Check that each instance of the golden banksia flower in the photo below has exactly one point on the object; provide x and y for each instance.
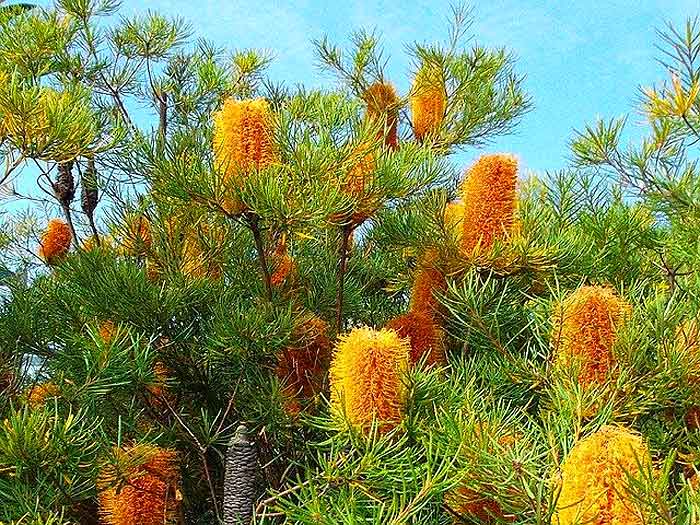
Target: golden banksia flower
(198, 257)
(585, 329)
(302, 366)
(147, 494)
(427, 283)
(428, 101)
(425, 337)
(383, 107)
(367, 378)
(138, 239)
(454, 216)
(39, 394)
(55, 241)
(594, 479)
(243, 140)
(687, 344)
(490, 202)
(283, 264)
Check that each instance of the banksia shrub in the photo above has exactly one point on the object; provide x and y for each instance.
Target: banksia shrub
(55, 241)
(427, 283)
(428, 101)
(584, 331)
(145, 492)
(243, 140)
(383, 108)
(37, 395)
(302, 365)
(425, 337)
(366, 377)
(594, 479)
(490, 202)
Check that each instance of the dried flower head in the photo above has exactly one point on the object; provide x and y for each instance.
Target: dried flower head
(302, 365)
(143, 489)
(243, 140)
(490, 202)
(585, 329)
(427, 340)
(37, 395)
(594, 479)
(428, 100)
(383, 108)
(55, 241)
(366, 377)
(427, 283)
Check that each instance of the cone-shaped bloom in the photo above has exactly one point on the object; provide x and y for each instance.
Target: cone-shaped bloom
(424, 336)
(688, 346)
(302, 365)
(282, 264)
(594, 479)
(150, 494)
(490, 201)
(38, 394)
(138, 238)
(366, 377)
(383, 107)
(55, 241)
(427, 283)
(585, 329)
(197, 258)
(428, 101)
(243, 140)
(454, 217)
(107, 330)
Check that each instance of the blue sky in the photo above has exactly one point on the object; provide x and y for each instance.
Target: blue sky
(581, 61)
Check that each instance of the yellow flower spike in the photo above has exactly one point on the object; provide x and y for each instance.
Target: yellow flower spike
(383, 106)
(243, 140)
(427, 283)
(428, 101)
(490, 202)
(584, 330)
(367, 378)
(424, 336)
(594, 479)
(454, 217)
(55, 241)
(39, 394)
(150, 494)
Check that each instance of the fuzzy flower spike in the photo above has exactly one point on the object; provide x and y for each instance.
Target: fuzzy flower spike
(55, 241)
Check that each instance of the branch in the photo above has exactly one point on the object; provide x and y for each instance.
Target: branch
(342, 269)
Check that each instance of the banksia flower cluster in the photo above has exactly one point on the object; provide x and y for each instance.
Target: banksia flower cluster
(55, 241)
(240, 479)
(428, 101)
(197, 260)
(282, 264)
(39, 394)
(428, 282)
(302, 366)
(383, 108)
(594, 479)
(585, 329)
(366, 378)
(688, 345)
(425, 337)
(147, 494)
(490, 202)
(243, 140)
(454, 217)
(138, 238)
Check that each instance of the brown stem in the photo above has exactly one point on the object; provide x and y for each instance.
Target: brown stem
(342, 269)
(253, 221)
(69, 220)
(95, 233)
(163, 113)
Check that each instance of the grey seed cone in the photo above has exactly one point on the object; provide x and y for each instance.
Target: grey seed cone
(241, 479)
(88, 199)
(64, 187)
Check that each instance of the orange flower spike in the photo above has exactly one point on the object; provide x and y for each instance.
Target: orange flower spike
(39, 394)
(302, 365)
(425, 337)
(428, 101)
(490, 201)
(55, 241)
(383, 106)
(454, 216)
(594, 479)
(283, 264)
(243, 140)
(138, 239)
(150, 494)
(366, 378)
(107, 331)
(428, 281)
(585, 329)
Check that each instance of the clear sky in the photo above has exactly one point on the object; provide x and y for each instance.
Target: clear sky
(582, 58)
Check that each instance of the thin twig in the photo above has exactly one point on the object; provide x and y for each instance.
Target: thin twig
(342, 269)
